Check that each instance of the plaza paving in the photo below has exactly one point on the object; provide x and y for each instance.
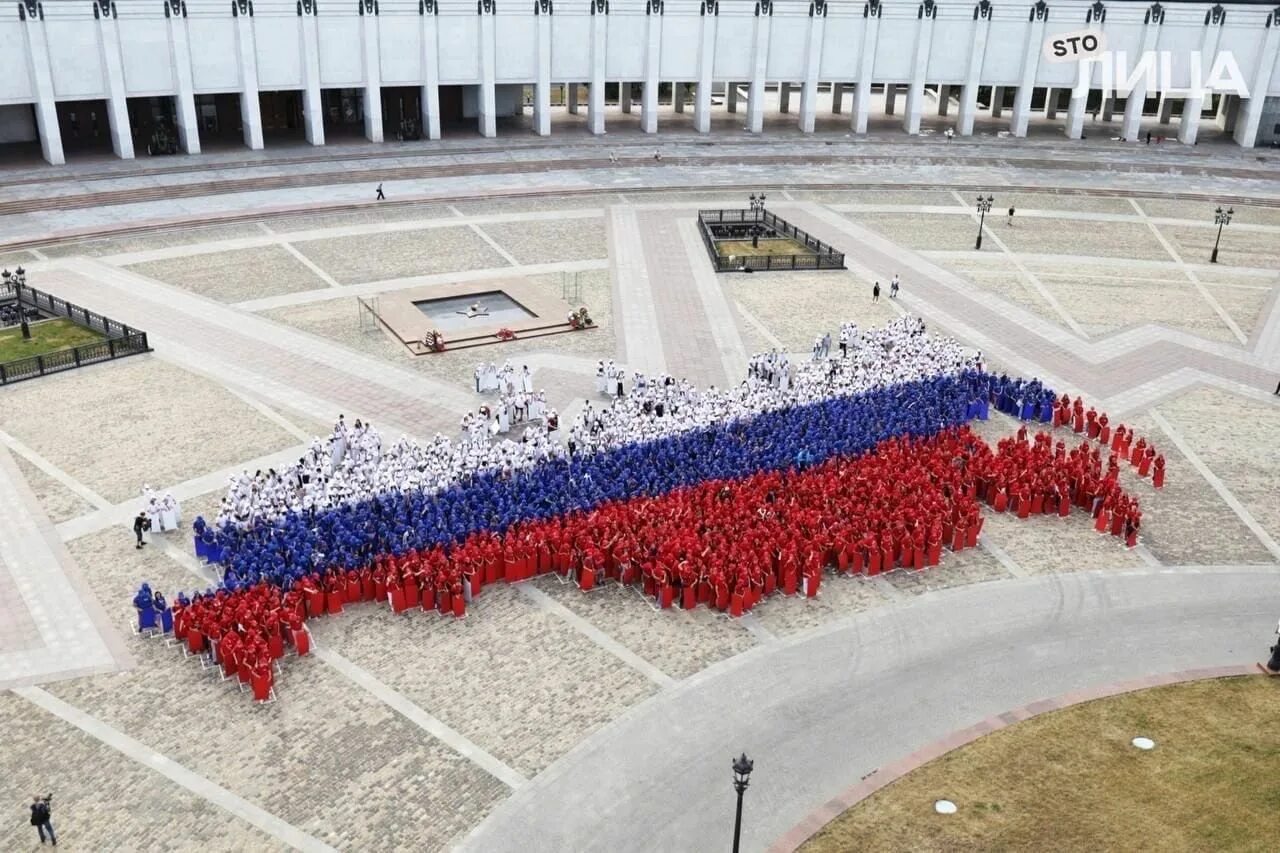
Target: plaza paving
(553, 720)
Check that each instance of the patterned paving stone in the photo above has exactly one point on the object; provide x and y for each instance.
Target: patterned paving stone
(678, 642)
(1200, 211)
(327, 740)
(135, 421)
(185, 236)
(1050, 544)
(539, 204)
(400, 254)
(939, 198)
(1239, 439)
(516, 680)
(366, 216)
(838, 598)
(101, 799)
(930, 231)
(10, 260)
(1074, 237)
(966, 567)
(59, 502)
(1049, 202)
(797, 307)
(1186, 523)
(1238, 248)
(1243, 304)
(236, 275)
(546, 241)
(1105, 306)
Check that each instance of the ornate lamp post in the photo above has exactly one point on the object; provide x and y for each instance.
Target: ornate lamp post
(18, 278)
(984, 207)
(757, 205)
(741, 774)
(1220, 217)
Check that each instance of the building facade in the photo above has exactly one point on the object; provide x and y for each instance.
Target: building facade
(148, 74)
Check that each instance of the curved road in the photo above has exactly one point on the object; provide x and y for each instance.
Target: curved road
(819, 711)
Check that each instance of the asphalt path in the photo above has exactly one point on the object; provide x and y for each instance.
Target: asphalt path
(819, 711)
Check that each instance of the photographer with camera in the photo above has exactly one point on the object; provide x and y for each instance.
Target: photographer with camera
(40, 814)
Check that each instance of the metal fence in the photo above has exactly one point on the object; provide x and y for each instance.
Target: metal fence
(121, 340)
(824, 257)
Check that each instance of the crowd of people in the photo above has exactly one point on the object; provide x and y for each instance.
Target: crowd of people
(859, 461)
(11, 314)
(504, 380)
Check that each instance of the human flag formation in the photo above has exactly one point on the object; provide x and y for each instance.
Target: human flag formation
(860, 463)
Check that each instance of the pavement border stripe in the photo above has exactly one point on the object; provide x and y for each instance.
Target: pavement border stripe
(170, 769)
(1216, 484)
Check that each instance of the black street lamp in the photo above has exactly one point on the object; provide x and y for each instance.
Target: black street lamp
(1220, 217)
(18, 278)
(757, 205)
(741, 773)
(984, 207)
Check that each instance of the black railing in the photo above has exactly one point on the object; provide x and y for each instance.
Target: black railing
(120, 340)
(821, 256)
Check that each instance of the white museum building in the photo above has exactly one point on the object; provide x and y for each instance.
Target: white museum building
(133, 76)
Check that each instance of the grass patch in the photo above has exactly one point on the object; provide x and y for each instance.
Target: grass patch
(1070, 780)
(46, 336)
(768, 246)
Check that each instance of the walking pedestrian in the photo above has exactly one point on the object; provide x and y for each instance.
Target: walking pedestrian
(381, 196)
(1278, 389)
(949, 134)
(40, 815)
(1011, 217)
(875, 292)
(893, 287)
(1148, 137)
(141, 524)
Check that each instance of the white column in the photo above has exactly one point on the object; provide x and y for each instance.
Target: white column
(973, 72)
(944, 100)
(678, 94)
(652, 60)
(866, 62)
(731, 96)
(1051, 102)
(1075, 115)
(997, 101)
(572, 97)
(184, 101)
(706, 64)
(117, 101)
(42, 86)
(784, 97)
(372, 76)
(1228, 113)
(595, 95)
(812, 64)
(312, 108)
(919, 71)
(1246, 133)
(250, 109)
(837, 98)
(488, 77)
(542, 87)
(429, 97)
(759, 66)
(624, 98)
(1164, 113)
(890, 98)
(1027, 79)
(1131, 127)
(1108, 107)
(1189, 121)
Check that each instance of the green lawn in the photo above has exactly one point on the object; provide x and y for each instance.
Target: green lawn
(46, 336)
(1071, 780)
(768, 246)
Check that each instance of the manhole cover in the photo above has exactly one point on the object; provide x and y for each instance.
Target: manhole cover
(944, 807)
(1144, 743)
